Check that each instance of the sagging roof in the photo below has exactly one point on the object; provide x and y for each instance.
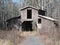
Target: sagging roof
(13, 18)
(48, 18)
(29, 7)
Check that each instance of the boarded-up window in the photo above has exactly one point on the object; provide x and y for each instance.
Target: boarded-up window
(29, 14)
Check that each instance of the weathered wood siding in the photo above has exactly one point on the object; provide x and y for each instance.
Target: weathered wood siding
(34, 15)
(23, 15)
(49, 27)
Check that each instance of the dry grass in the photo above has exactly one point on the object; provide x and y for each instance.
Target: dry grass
(12, 37)
(15, 37)
(5, 42)
(48, 41)
(29, 33)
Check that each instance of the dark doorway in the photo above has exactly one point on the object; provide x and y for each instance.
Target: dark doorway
(39, 20)
(29, 13)
(27, 26)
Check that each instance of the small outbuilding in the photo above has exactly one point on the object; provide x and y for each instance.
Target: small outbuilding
(13, 22)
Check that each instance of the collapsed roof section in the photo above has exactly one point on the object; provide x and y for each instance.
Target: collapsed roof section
(18, 17)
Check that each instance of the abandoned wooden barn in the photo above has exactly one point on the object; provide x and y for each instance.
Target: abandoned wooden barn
(28, 19)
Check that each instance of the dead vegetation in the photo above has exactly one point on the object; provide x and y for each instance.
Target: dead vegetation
(12, 37)
(15, 37)
(29, 33)
(49, 40)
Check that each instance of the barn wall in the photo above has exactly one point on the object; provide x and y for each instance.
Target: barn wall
(23, 15)
(35, 15)
(49, 28)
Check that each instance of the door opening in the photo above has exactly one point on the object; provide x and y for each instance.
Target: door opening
(27, 26)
